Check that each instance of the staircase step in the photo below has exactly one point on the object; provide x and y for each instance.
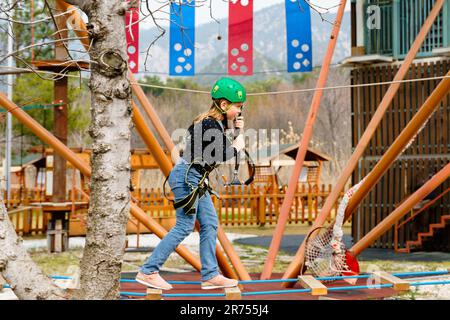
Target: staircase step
(421, 235)
(424, 235)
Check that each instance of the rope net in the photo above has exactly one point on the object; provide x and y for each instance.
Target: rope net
(325, 252)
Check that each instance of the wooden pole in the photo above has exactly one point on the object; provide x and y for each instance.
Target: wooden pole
(296, 264)
(150, 111)
(307, 132)
(85, 169)
(150, 141)
(397, 147)
(401, 211)
(60, 114)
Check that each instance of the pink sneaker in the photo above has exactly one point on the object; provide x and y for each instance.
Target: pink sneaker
(219, 281)
(153, 280)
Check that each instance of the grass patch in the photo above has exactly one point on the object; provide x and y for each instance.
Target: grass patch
(62, 264)
(402, 266)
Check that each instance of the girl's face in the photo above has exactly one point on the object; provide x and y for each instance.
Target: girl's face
(234, 109)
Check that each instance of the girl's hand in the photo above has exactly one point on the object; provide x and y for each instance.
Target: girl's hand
(239, 122)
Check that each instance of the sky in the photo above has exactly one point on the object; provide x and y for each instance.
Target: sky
(220, 8)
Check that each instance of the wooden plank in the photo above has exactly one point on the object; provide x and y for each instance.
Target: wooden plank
(58, 236)
(153, 294)
(362, 115)
(403, 105)
(233, 293)
(445, 132)
(384, 145)
(416, 93)
(398, 195)
(386, 278)
(359, 123)
(354, 107)
(381, 187)
(371, 108)
(433, 124)
(389, 203)
(365, 213)
(365, 105)
(372, 205)
(389, 200)
(309, 282)
(377, 99)
(355, 119)
(411, 174)
(386, 120)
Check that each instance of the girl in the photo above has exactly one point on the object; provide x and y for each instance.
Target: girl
(207, 146)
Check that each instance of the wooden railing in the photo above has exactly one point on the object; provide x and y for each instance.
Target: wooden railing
(399, 225)
(401, 21)
(247, 205)
(237, 206)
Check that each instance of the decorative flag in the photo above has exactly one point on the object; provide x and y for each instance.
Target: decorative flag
(182, 38)
(240, 37)
(298, 36)
(132, 34)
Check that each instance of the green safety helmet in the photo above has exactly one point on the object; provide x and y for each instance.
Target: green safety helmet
(227, 88)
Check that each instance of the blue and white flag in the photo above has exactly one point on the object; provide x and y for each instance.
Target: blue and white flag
(298, 36)
(182, 38)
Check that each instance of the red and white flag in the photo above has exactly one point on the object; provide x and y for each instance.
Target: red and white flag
(240, 37)
(132, 33)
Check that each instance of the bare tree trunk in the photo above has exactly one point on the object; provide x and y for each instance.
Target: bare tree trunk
(110, 130)
(18, 269)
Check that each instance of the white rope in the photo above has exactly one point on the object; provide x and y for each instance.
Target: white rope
(256, 93)
(299, 90)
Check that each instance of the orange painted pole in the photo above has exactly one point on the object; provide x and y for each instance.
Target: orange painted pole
(151, 113)
(150, 140)
(400, 143)
(401, 211)
(85, 169)
(294, 267)
(307, 132)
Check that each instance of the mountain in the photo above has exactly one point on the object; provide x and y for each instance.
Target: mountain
(269, 42)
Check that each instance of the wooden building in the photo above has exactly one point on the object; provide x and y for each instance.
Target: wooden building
(377, 54)
(268, 166)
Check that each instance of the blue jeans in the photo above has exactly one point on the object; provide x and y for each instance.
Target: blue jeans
(206, 215)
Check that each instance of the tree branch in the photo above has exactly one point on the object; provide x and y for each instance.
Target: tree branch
(82, 4)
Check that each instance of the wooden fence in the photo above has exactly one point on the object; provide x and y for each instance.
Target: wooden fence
(237, 206)
(429, 152)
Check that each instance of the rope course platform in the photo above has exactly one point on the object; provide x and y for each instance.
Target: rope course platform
(377, 285)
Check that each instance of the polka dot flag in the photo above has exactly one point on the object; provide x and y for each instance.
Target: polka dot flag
(298, 36)
(182, 38)
(240, 37)
(132, 34)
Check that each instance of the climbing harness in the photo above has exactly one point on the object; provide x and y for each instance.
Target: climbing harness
(189, 203)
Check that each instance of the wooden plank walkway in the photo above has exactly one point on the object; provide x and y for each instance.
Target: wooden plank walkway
(363, 294)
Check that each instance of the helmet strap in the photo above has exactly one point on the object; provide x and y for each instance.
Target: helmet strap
(223, 112)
